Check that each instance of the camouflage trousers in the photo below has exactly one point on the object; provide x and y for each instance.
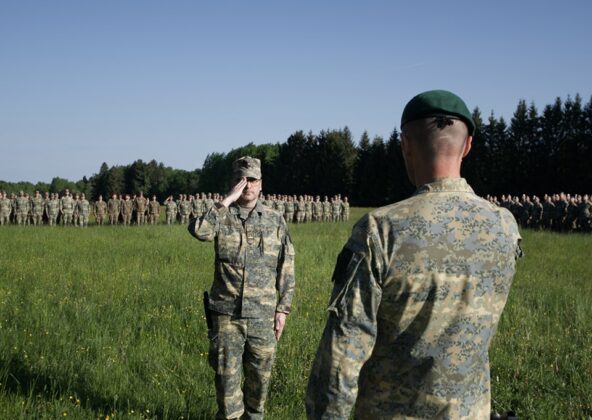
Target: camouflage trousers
(100, 218)
(4, 218)
(113, 218)
(236, 345)
(289, 217)
(52, 219)
(170, 218)
(67, 218)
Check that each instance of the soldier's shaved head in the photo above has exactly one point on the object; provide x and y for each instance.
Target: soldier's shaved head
(438, 137)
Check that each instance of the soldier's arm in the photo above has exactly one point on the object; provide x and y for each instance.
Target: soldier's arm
(349, 335)
(286, 281)
(205, 228)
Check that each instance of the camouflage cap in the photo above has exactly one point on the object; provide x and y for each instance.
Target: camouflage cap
(247, 167)
(435, 103)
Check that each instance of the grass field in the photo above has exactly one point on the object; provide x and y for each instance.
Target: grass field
(107, 321)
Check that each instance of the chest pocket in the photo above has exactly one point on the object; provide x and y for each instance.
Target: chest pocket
(271, 245)
(228, 243)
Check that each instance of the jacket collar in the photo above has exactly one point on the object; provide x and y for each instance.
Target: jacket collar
(445, 185)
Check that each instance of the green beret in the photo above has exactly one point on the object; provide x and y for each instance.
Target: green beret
(435, 103)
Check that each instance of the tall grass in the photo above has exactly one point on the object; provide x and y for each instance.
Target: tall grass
(107, 321)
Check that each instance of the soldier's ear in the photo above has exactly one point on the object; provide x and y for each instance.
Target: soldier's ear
(468, 145)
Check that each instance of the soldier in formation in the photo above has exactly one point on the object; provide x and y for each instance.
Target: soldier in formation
(559, 212)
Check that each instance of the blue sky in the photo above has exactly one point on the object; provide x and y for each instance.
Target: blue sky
(86, 82)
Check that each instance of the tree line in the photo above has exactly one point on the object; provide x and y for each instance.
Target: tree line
(534, 153)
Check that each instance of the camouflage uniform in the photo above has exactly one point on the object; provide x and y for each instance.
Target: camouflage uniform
(185, 207)
(67, 208)
(83, 210)
(335, 210)
(37, 204)
(153, 211)
(113, 208)
(326, 210)
(5, 209)
(419, 289)
(140, 207)
(171, 211)
(21, 209)
(289, 211)
(100, 210)
(127, 208)
(254, 261)
(345, 210)
(52, 209)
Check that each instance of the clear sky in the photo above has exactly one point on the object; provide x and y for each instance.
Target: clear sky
(86, 82)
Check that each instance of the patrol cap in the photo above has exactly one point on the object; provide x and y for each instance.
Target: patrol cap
(436, 103)
(247, 167)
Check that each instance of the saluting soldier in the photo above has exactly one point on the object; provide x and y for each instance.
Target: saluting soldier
(251, 294)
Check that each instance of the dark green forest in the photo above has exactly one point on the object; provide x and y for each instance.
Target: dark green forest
(533, 153)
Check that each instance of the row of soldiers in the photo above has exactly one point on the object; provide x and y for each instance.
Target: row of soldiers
(125, 209)
(296, 209)
(559, 212)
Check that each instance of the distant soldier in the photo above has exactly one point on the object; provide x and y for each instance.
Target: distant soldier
(153, 211)
(537, 213)
(113, 208)
(22, 208)
(75, 214)
(83, 210)
(299, 209)
(198, 206)
(127, 208)
(209, 202)
(280, 205)
(345, 209)
(185, 207)
(46, 199)
(571, 217)
(100, 210)
(171, 210)
(326, 209)
(67, 208)
(52, 209)
(289, 209)
(307, 208)
(5, 209)
(548, 212)
(37, 209)
(140, 208)
(317, 209)
(561, 205)
(335, 210)
(584, 214)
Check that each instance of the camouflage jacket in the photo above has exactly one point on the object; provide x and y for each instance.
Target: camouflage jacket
(254, 266)
(419, 289)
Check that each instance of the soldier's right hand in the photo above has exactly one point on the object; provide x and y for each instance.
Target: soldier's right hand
(235, 192)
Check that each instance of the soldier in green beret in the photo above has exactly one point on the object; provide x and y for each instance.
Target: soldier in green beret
(419, 287)
(251, 294)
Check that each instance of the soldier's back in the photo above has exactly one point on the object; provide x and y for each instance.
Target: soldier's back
(446, 258)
